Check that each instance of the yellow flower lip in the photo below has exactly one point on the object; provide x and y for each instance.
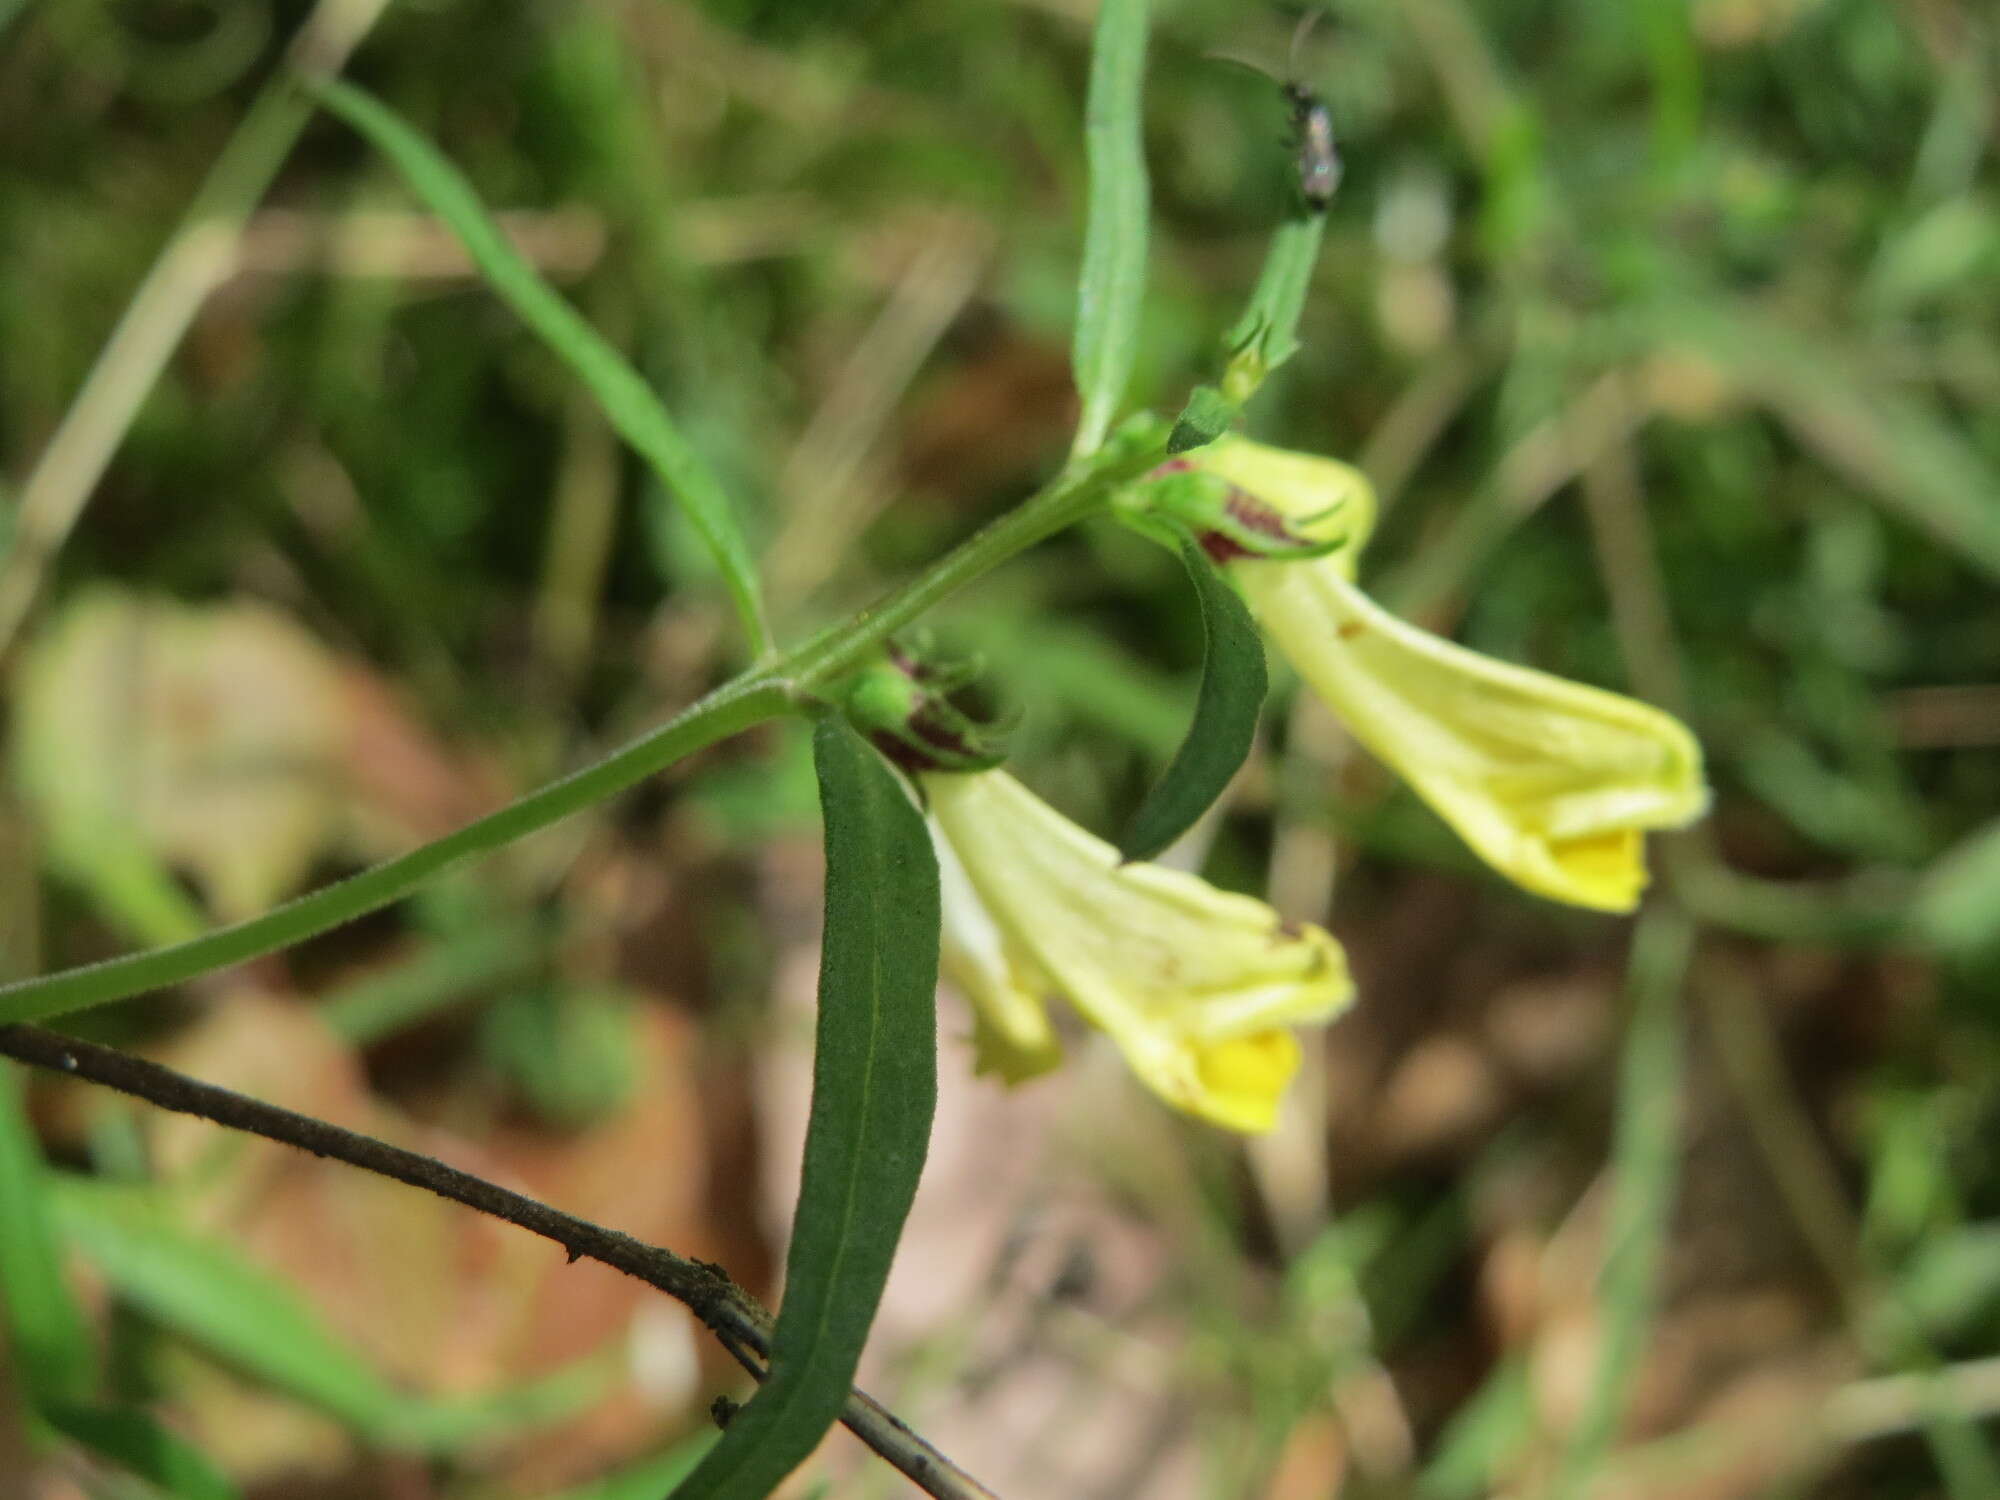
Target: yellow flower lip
(1552, 783)
(1198, 987)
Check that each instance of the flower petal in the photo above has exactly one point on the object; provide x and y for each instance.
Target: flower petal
(1011, 1034)
(1197, 986)
(1550, 782)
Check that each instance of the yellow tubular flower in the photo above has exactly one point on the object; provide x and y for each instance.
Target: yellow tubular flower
(1199, 988)
(1011, 1034)
(1552, 783)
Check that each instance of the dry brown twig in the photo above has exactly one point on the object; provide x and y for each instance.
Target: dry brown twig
(739, 1324)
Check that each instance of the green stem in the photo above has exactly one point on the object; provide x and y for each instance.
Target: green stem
(1075, 494)
(755, 696)
(1268, 331)
(747, 700)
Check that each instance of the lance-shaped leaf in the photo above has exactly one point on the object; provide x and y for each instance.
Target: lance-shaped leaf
(628, 402)
(1225, 715)
(874, 1091)
(1112, 287)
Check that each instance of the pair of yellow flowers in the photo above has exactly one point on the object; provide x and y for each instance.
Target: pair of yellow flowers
(1552, 783)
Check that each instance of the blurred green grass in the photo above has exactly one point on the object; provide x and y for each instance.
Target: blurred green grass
(1668, 330)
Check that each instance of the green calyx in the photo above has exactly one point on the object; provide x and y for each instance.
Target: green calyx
(1180, 498)
(902, 703)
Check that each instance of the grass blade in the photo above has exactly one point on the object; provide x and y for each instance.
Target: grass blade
(196, 259)
(1893, 444)
(874, 1091)
(257, 1323)
(1112, 288)
(49, 1339)
(130, 1437)
(232, 1308)
(628, 402)
(1644, 1154)
(1233, 684)
(46, 1333)
(1957, 905)
(1483, 1436)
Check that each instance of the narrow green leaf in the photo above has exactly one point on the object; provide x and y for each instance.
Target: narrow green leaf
(628, 402)
(1485, 1435)
(45, 1329)
(1112, 287)
(874, 1091)
(132, 1438)
(237, 1311)
(1668, 27)
(1957, 905)
(1645, 1155)
(1225, 715)
(49, 1338)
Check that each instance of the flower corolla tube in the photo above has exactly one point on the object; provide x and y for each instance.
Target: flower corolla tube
(1552, 783)
(1199, 988)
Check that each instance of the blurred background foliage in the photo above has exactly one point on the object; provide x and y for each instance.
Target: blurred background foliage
(1666, 330)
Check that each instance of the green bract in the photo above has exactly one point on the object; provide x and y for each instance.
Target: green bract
(902, 704)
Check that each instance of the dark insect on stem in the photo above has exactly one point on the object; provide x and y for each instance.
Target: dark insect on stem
(1318, 158)
(1315, 153)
